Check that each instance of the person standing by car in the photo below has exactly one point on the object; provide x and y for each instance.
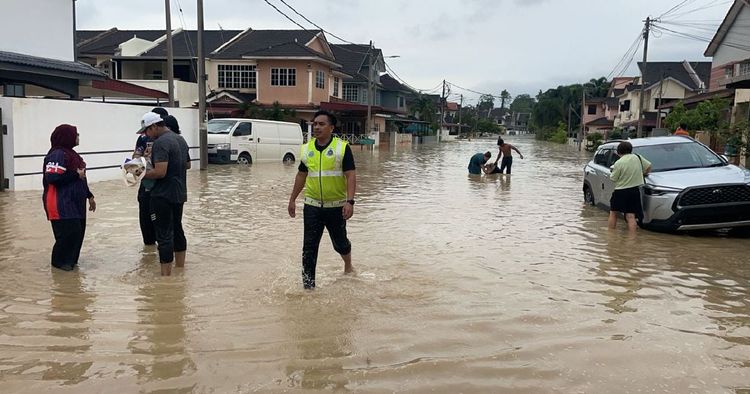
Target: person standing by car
(169, 192)
(627, 175)
(327, 173)
(65, 194)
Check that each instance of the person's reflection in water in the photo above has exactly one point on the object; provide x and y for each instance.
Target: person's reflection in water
(620, 269)
(504, 182)
(70, 311)
(321, 329)
(161, 329)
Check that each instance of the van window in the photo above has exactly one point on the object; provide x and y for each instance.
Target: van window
(243, 129)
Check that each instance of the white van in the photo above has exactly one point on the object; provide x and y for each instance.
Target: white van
(248, 141)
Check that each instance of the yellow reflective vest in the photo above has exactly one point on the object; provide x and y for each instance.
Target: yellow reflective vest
(325, 185)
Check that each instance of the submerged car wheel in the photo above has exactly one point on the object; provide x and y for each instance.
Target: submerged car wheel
(288, 158)
(588, 196)
(245, 159)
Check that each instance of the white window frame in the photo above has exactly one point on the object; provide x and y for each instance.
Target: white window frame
(237, 76)
(744, 69)
(352, 88)
(285, 77)
(335, 86)
(320, 79)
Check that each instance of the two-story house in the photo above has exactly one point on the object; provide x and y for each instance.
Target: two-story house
(295, 68)
(730, 53)
(665, 82)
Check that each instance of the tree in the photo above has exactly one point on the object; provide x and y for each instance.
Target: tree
(552, 106)
(523, 103)
(485, 105)
(710, 116)
(424, 109)
(504, 98)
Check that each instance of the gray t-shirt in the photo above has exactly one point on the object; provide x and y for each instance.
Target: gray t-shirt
(173, 187)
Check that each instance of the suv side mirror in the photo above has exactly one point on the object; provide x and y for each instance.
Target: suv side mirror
(725, 158)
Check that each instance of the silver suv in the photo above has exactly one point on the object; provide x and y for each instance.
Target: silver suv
(690, 187)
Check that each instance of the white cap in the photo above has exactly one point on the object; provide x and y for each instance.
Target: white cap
(149, 119)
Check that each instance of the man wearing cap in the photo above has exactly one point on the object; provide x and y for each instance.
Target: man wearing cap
(169, 192)
(143, 149)
(328, 175)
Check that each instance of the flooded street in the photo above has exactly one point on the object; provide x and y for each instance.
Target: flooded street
(486, 284)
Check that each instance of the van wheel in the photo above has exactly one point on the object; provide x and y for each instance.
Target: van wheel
(288, 158)
(588, 196)
(245, 159)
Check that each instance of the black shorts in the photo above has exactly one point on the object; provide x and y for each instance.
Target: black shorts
(627, 201)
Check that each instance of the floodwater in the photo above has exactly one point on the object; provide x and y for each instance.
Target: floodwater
(486, 284)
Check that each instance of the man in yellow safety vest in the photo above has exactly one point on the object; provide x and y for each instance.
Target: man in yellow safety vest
(328, 175)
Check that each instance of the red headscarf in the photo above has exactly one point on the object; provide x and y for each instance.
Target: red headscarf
(64, 137)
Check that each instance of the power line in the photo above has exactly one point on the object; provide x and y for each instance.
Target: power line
(285, 15)
(314, 24)
(633, 48)
(730, 44)
(474, 91)
(675, 8)
(705, 7)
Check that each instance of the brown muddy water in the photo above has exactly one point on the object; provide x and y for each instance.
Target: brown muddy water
(488, 284)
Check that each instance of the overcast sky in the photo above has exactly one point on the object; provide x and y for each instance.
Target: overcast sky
(484, 45)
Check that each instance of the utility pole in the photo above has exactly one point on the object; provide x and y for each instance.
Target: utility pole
(202, 128)
(579, 139)
(460, 110)
(646, 31)
(658, 109)
(442, 112)
(170, 54)
(368, 122)
(570, 132)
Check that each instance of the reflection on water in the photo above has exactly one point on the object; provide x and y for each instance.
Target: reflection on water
(465, 284)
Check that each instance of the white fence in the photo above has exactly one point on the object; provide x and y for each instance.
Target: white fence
(107, 136)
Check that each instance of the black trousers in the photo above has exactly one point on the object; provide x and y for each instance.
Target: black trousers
(507, 162)
(316, 219)
(69, 235)
(144, 216)
(170, 237)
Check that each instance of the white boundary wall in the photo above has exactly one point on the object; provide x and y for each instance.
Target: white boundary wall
(107, 134)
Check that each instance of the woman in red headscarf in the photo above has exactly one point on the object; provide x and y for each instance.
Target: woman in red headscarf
(65, 195)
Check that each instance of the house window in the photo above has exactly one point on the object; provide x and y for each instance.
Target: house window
(320, 79)
(351, 127)
(237, 76)
(592, 109)
(14, 90)
(744, 69)
(625, 106)
(728, 72)
(401, 102)
(351, 92)
(283, 77)
(335, 86)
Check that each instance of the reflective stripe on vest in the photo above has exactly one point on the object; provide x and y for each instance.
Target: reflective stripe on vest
(325, 183)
